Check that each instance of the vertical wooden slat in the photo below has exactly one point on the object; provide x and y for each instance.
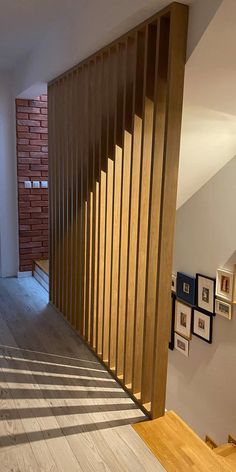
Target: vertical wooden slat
(177, 55)
(76, 201)
(155, 204)
(51, 166)
(147, 135)
(106, 168)
(62, 200)
(99, 278)
(93, 189)
(89, 124)
(119, 107)
(112, 153)
(70, 209)
(126, 169)
(80, 204)
(114, 124)
(133, 209)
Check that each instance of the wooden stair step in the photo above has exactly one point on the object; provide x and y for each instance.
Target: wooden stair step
(41, 274)
(178, 448)
(43, 265)
(228, 451)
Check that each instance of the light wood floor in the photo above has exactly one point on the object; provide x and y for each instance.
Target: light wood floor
(60, 410)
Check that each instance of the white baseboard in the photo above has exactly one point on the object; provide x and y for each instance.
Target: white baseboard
(24, 274)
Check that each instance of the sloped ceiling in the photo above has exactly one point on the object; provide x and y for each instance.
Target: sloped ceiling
(208, 139)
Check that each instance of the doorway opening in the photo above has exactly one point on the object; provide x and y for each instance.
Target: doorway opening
(32, 180)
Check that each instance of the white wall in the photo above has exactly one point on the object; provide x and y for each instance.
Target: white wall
(202, 388)
(8, 187)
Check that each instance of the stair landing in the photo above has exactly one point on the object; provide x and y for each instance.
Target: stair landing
(178, 448)
(41, 273)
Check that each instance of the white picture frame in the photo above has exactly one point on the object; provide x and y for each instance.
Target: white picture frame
(182, 345)
(225, 284)
(173, 283)
(223, 309)
(183, 319)
(205, 293)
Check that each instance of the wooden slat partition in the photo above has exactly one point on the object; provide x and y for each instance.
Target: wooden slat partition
(114, 134)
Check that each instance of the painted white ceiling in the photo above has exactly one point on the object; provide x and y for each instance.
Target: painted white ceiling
(25, 24)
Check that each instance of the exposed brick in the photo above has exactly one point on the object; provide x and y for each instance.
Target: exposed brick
(41, 226)
(22, 116)
(22, 128)
(28, 135)
(21, 102)
(42, 203)
(41, 154)
(27, 123)
(25, 239)
(29, 198)
(23, 167)
(28, 160)
(44, 111)
(24, 227)
(38, 116)
(45, 149)
(38, 129)
(30, 244)
(23, 154)
(27, 109)
(38, 104)
(29, 173)
(39, 167)
(28, 147)
(39, 142)
(30, 233)
(40, 238)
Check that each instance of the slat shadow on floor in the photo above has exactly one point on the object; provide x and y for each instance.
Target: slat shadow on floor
(60, 409)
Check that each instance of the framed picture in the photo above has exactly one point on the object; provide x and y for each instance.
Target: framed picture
(172, 325)
(182, 345)
(205, 293)
(202, 325)
(183, 319)
(224, 284)
(186, 288)
(173, 283)
(223, 309)
(234, 294)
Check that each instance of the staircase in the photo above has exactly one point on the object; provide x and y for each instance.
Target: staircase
(227, 451)
(178, 448)
(41, 273)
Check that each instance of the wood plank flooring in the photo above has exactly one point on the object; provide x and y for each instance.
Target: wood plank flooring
(59, 408)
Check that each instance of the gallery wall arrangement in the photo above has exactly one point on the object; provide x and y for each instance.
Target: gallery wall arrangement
(114, 137)
(195, 302)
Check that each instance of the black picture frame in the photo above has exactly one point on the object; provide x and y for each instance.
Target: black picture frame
(172, 327)
(186, 288)
(209, 318)
(207, 307)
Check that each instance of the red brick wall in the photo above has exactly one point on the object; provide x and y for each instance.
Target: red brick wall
(32, 164)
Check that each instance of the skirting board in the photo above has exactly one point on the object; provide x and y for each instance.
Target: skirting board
(24, 274)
